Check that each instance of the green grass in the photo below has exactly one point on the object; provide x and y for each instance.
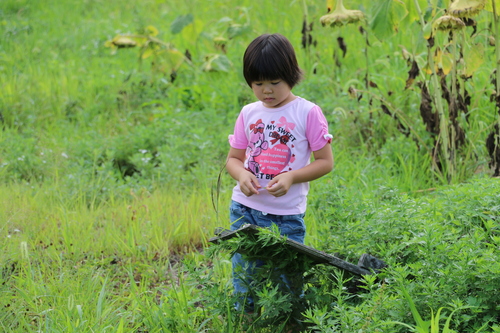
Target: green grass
(76, 265)
(109, 170)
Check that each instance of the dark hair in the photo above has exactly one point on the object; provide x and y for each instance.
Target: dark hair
(271, 57)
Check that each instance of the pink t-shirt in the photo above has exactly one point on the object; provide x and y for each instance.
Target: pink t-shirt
(278, 140)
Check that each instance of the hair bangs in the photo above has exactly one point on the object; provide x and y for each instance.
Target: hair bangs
(265, 68)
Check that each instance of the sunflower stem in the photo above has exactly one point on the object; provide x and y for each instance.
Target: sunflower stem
(453, 100)
(367, 83)
(497, 46)
(497, 73)
(447, 164)
(340, 6)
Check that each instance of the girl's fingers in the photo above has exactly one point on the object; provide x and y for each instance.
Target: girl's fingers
(251, 187)
(256, 184)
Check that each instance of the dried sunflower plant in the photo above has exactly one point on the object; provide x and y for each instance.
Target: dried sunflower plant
(493, 139)
(453, 57)
(340, 18)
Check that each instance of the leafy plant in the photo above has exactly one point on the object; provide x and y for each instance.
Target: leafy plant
(427, 326)
(278, 301)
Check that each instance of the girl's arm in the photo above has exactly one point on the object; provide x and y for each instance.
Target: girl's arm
(249, 184)
(322, 164)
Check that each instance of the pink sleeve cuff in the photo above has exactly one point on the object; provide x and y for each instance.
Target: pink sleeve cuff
(317, 129)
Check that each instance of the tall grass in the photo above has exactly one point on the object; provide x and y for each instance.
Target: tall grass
(161, 222)
(71, 264)
(107, 165)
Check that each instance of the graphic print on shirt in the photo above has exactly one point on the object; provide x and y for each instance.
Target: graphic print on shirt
(256, 145)
(270, 158)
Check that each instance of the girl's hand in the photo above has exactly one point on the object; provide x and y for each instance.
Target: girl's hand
(249, 184)
(280, 184)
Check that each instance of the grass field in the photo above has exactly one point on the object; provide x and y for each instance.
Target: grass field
(112, 181)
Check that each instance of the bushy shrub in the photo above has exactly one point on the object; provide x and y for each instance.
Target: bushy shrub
(441, 247)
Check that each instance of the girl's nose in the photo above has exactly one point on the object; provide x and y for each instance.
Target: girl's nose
(267, 89)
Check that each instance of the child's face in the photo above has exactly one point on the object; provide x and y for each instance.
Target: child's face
(273, 93)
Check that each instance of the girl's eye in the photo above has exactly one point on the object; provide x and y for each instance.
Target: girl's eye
(275, 83)
(257, 83)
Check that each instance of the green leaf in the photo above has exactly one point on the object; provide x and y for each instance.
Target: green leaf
(235, 30)
(473, 58)
(217, 63)
(388, 15)
(147, 53)
(151, 30)
(427, 30)
(167, 61)
(222, 63)
(422, 325)
(175, 58)
(180, 22)
(192, 32)
(413, 14)
(444, 61)
(489, 6)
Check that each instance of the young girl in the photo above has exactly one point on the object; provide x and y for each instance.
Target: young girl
(271, 147)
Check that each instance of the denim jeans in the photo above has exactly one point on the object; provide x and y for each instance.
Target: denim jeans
(290, 225)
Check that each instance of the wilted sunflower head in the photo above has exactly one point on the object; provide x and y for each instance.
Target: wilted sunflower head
(448, 22)
(121, 42)
(466, 8)
(341, 16)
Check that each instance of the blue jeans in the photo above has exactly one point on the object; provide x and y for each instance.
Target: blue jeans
(290, 225)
